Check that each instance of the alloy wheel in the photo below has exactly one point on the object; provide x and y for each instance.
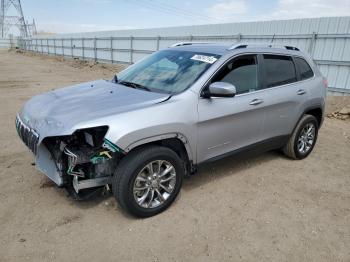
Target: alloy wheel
(306, 138)
(154, 184)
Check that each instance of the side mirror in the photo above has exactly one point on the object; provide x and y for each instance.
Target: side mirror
(220, 89)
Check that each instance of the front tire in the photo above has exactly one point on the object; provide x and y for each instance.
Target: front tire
(148, 180)
(303, 139)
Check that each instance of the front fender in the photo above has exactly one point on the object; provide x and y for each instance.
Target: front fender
(128, 140)
(147, 140)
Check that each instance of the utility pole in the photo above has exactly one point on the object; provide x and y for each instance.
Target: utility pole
(2, 14)
(8, 21)
(31, 28)
(34, 28)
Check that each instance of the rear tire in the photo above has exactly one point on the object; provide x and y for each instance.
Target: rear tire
(148, 180)
(303, 139)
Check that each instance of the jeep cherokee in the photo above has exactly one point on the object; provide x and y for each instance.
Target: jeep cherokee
(143, 131)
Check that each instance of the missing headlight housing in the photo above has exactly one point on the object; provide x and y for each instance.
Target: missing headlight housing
(92, 136)
(89, 139)
(86, 155)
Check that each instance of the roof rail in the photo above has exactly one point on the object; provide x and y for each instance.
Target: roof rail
(189, 43)
(246, 45)
(291, 48)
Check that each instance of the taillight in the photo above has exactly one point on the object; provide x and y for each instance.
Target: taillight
(325, 82)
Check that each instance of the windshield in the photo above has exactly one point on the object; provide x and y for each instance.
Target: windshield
(169, 71)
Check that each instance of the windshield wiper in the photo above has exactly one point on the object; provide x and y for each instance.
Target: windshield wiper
(134, 85)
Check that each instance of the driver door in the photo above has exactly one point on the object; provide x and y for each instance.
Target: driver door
(228, 124)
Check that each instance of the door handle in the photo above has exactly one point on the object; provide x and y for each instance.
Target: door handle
(255, 102)
(301, 92)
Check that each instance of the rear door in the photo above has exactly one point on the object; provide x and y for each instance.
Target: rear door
(283, 95)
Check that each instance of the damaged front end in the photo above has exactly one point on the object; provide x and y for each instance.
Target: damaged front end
(85, 160)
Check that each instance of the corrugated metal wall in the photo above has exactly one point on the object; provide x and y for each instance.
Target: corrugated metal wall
(326, 39)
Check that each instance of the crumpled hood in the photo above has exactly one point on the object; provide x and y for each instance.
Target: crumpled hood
(63, 108)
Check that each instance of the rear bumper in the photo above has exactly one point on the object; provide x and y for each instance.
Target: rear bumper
(323, 108)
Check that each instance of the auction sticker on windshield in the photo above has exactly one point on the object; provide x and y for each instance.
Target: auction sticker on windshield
(204, 58)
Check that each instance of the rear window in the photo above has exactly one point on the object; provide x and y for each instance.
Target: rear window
(304, 69)
(279, 70)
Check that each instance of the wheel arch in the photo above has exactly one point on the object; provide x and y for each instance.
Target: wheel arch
(316, 111)
(175, 141)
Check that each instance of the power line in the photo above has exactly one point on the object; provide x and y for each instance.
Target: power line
(169, 10)
(184, 11)
(159, 8)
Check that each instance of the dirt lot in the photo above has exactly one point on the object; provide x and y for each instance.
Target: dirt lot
(265, 208)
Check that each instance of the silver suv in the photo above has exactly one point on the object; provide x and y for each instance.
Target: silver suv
(155, 122)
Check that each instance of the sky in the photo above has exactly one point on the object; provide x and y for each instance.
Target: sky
(69, 16)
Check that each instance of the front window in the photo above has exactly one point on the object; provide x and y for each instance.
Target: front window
(242, 73)
(169, 71)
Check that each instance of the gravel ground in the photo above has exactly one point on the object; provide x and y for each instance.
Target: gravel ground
(264, 208)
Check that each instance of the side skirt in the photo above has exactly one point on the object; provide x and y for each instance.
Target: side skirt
(252, 150)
